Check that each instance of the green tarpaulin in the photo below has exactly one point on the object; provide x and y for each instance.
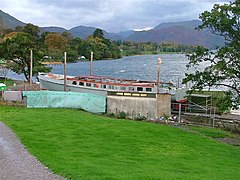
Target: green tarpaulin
(57, 99)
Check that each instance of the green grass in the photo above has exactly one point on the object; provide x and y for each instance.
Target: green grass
(80, 145)
(211, 132)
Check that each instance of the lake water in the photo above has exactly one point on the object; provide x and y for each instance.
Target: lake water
(143, 67)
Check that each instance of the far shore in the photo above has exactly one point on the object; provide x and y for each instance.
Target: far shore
(51, 62)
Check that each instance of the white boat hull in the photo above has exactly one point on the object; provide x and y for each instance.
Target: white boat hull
(57, 84)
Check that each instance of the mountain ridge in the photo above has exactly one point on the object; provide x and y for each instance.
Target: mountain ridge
(8, 21)
(183, 32)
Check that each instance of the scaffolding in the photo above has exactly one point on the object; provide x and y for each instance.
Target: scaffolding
(201, 103)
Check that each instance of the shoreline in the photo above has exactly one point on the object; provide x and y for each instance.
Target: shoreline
(51, 63)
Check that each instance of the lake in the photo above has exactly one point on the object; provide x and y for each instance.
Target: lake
(142, 67)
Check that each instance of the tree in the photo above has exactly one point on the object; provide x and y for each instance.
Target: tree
(19, 28)
(72, 49)
(56, 44)
(224, 64)
(32, 30)
(98, 33)
(67, 35)
(17, 50)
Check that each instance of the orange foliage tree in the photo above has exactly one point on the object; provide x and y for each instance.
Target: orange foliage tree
(56, 44)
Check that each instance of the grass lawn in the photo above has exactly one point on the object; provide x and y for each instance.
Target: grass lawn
(80, 145)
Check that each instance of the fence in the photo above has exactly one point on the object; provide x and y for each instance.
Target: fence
(207, 116)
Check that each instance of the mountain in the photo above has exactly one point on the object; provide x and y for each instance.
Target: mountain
(126, 34)
(8, 21)
(187, 24)
(52, 29)
(83, 32)
(179, 32)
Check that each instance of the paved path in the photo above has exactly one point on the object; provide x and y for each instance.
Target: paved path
(16, 163)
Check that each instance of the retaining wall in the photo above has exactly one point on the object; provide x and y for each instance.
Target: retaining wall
(151, 106)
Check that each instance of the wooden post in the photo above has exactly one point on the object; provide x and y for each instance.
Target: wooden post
(91, 60)
(31, 64)
(158, 78)
(214, 116)
(65, 71)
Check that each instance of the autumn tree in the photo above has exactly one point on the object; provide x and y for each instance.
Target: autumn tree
(223, 70)
(56, 45)
(17, 48)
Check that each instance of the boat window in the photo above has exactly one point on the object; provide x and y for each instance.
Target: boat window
(131, 88)
(139, 88)
(123, 88)
(74, 82)
(103, 86)
(96, 85)
(111, 87)
(149, 89)
(88, 84)
(81, 83)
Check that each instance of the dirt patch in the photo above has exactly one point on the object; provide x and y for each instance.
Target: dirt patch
(231, 141)
(16, 162)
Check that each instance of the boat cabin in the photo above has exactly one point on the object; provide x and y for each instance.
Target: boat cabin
(96, 82)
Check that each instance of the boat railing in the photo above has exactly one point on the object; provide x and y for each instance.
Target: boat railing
(131, 94)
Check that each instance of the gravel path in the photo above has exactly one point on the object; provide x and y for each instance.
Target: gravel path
(16, 163)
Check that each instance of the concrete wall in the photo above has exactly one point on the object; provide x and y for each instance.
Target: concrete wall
(150, 107)
(12, 96)
(163, 104)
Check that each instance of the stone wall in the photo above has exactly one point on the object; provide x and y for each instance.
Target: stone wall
(151, 107)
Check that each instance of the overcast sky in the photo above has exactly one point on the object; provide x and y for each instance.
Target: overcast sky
(110, 15)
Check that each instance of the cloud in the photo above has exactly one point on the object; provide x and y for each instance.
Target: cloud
(110, 15)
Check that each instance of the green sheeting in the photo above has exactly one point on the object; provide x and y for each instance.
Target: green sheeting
(57, 99)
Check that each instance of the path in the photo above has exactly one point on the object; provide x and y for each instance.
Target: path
(16, 163)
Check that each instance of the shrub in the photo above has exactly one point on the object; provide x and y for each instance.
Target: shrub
(121, 115)
(111, 115)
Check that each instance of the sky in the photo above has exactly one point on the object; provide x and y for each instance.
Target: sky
(109, 15)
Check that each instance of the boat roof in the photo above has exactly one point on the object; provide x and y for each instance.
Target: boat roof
(113, 81)
(117, 81)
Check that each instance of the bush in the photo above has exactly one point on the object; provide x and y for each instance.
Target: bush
(121, 115)
(111, 115)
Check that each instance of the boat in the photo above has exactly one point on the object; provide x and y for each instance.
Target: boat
(100, 85)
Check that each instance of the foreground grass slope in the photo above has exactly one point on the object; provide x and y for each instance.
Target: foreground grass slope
(80, 145)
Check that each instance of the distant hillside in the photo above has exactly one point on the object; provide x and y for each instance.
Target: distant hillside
(126, 34)
(82, 31)
(8, 21)
(52, 29)
(187, 24)
(179, 32)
